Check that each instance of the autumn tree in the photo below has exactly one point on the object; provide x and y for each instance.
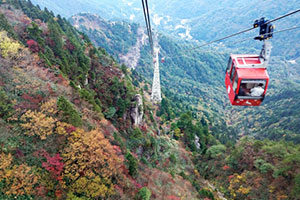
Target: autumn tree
(90, 164)
(16, 179)
(8, 47)
(40, 123)
(54, 166)
(33, 46)
(238, 185)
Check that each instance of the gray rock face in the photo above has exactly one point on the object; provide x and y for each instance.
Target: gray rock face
(86, 82)
(134, 53)
(197, 142)
(137, 110)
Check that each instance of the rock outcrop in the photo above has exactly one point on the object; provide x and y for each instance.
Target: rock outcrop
(137, 110)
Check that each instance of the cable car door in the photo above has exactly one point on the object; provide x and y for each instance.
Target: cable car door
(231, 80)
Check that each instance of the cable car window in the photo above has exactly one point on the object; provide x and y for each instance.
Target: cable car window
(235, 83)
(254, 88)
(229, 65)
(232, 73)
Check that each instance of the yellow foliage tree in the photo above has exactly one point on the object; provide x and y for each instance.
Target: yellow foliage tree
(37, 123)
(8, 47)
(19, 179)
(93, 186)
(178, 133)
(238, 186)
(90, 164)
(61, 128)
(5, 162)
(50, 107)
(40, 123)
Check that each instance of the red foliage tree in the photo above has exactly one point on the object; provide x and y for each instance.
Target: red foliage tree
(31, 102)
(33, 46)
(50, 42)
(70, 129)
(226, 167)
(54, 165)
(172, 197)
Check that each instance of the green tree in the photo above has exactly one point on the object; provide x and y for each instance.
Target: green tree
(132, 164)
(143, 194)
(6, 107)
(296, 188)
(69, 113)
(216, 150)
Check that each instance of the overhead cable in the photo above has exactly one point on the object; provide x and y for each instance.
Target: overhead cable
(244, 31)
(148, 24)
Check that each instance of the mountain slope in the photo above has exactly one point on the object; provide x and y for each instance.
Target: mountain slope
(70, 123)
(197, 77)
(68, 127)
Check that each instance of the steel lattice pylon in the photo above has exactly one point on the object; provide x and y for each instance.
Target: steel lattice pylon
(156, 91)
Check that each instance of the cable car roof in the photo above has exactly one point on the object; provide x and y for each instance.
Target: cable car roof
(247, 61)
(247, 73)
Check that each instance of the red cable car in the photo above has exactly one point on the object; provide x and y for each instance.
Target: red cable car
(246, 77)
(246, 80)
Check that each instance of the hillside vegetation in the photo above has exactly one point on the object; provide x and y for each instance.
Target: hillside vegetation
(66, 126)
(194, 81)
(67, 129)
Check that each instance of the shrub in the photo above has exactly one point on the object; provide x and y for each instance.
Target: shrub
(110, 113)
(143, 194)
(216, 150)
(206, 193)
(263, 166)
(132, 164)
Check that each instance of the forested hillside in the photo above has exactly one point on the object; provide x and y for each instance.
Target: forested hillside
(76, 124)
(73, 126)
(250, 169)
(254, 169)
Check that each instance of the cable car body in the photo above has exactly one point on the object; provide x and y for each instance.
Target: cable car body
(245, 72)
(246, 76)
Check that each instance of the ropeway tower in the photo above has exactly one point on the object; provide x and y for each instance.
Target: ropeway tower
(156, 90)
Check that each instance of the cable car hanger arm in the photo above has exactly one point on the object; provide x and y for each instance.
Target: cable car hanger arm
(251, 38)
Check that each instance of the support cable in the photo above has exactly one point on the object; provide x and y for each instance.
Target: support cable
(284, 30)
(148, 24)
(146, 20)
